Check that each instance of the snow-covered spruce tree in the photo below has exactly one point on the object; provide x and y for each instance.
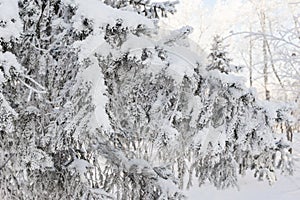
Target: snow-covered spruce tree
(204, 123)
(128, 122)
(218, 57)
(49, 145)
(208, 122)
(51, 105)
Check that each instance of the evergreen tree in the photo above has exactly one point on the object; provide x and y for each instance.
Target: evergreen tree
(218, 57)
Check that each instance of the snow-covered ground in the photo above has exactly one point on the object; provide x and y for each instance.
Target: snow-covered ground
(286, 188)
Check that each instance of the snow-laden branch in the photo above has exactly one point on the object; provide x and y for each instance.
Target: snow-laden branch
(268, 36)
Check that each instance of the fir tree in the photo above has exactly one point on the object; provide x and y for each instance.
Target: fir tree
(218, 57)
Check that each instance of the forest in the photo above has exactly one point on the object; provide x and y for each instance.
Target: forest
(144, 99)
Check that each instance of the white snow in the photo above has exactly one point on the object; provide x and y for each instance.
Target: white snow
(94, 75)
(103, 14)
(81, 166)
(88, 46)
(286, 187)
(182, 62)
(8, 60)
(8, 12)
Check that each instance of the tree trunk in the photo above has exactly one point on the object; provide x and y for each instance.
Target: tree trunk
(250, 59)
(265, 71)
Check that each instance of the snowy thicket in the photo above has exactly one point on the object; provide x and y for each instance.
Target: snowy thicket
(93, 107)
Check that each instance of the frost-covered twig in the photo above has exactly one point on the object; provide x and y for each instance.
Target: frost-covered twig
(31, 88)
(32, 80)
(271, 37)
(3, 165)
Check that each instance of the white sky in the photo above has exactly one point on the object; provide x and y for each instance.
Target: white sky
(209, 3)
